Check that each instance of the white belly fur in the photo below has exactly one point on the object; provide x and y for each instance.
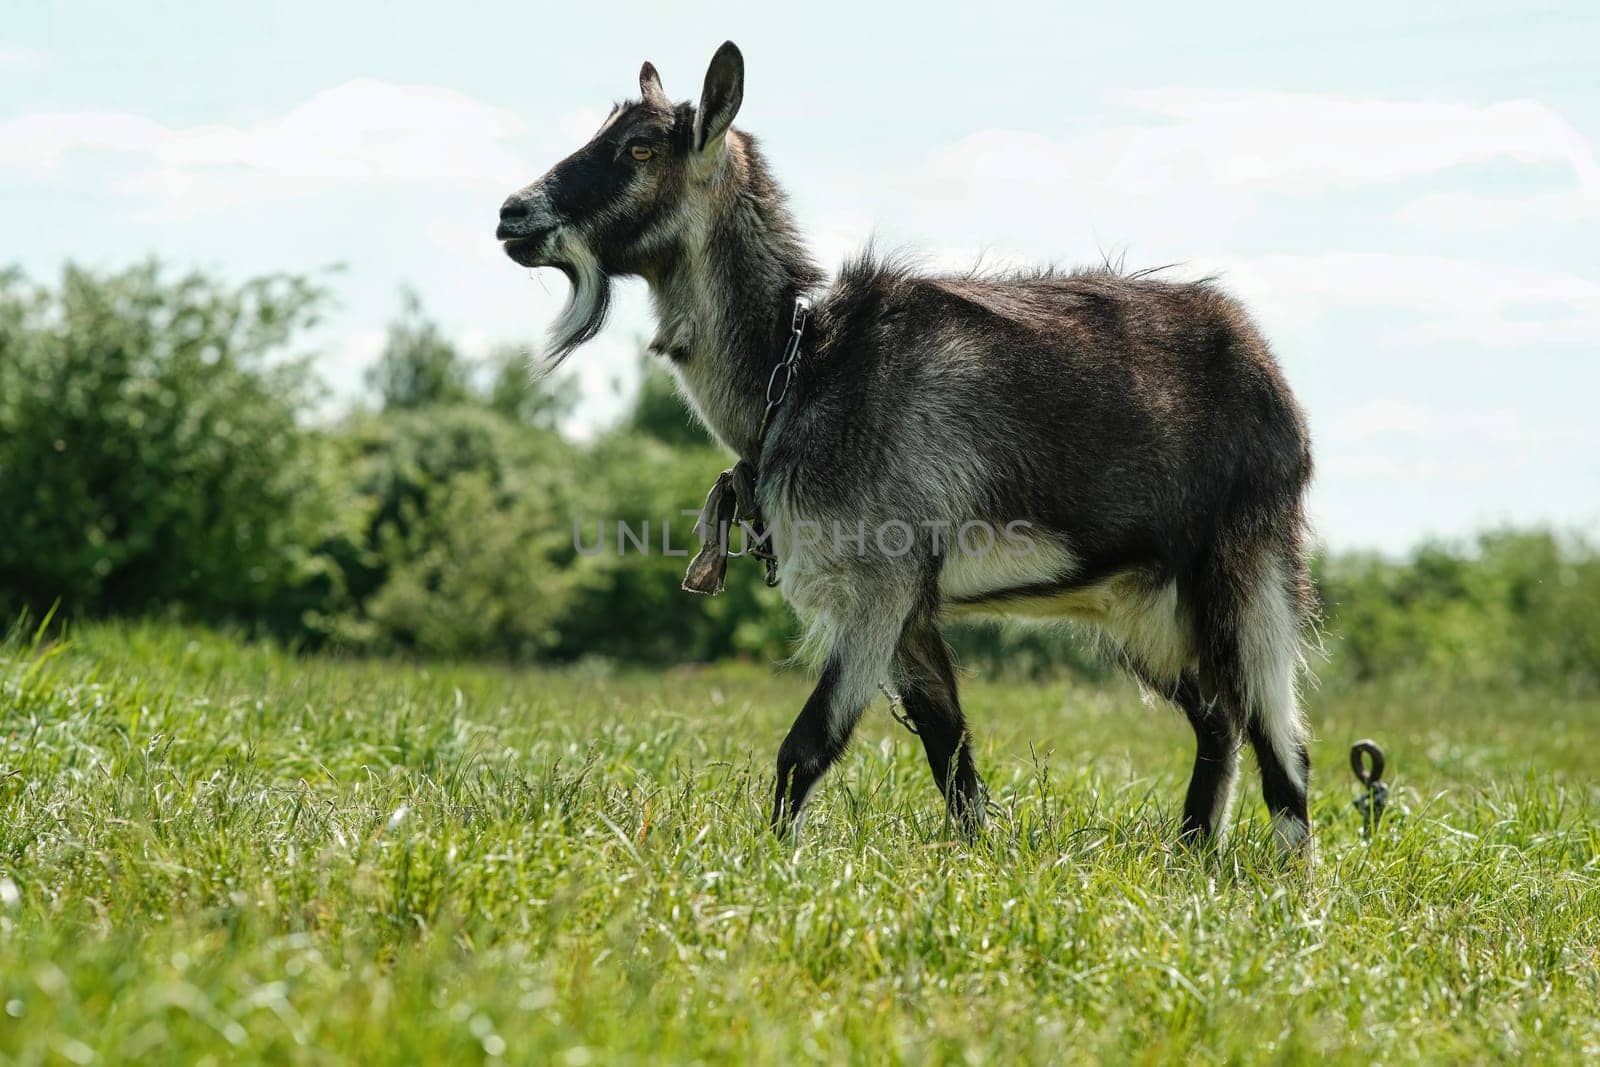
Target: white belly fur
(1146, 621)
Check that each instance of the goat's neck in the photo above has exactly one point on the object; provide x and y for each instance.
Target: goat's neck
(723, 302)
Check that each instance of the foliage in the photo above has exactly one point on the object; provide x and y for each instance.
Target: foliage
(213, 853)
(157, 456)
(630, 605)
(1516, 607)
(150, 454)
(462, 549)
(516, 394)
(418, 366)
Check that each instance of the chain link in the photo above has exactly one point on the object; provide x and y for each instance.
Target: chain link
(787, 370)
(778, 385)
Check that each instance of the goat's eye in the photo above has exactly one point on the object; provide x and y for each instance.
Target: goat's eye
(641, 153)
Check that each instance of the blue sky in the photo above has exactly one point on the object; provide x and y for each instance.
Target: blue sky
(1408, 197)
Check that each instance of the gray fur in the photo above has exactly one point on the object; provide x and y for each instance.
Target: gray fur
(1139, 430)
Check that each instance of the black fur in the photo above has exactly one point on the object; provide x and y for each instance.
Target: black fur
(811, 748)
(1139, 428)
(927, 681)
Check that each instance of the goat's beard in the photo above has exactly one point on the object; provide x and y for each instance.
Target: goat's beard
(587, 304)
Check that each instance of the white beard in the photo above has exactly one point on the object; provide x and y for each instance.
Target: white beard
(587, 304)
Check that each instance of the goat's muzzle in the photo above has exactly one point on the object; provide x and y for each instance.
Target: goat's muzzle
(529, 251)
(526, 226)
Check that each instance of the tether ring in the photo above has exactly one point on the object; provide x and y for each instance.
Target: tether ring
(1360, 753)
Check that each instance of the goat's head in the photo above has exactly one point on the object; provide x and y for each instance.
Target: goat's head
(621, 203)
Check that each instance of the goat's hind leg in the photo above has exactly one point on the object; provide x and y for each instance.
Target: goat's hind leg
(1216, 761)
(1260, 640)
(927, 683)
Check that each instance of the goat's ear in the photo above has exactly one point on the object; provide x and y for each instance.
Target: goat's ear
(650, 87)
(720, 100)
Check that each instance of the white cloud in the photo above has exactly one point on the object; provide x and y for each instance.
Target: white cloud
(838, 236)
(1301, 141)
(1371, 466)
(1394, 418)
(1398, 439)
(1393, 467)
(359, 132)
(578, 126)
(1491, 304)
(474, 343)
(474, 244)
(42, 141)
(360, 349)
(19, 59)
(1382, 416)
(1462, 212)
(1314, 140)
(1214, 158)
(344, 356)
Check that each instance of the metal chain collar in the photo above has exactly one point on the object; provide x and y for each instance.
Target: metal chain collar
(787, 370)
(733, 498)
(778, 384)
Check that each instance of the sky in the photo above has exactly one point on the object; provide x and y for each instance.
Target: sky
(1408, 197)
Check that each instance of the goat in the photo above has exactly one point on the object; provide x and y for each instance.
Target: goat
(1135, 437)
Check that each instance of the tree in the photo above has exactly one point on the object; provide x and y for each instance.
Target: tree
(466, 544)
(515, 393)
(418, 366)
(150, 452)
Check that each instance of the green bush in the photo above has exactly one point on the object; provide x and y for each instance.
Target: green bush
(629, 604)
(1514, 607)
(150, 454)
(418, 367)
(464, 548)
(156, 456)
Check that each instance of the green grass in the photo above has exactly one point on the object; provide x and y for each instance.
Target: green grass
(217, 852)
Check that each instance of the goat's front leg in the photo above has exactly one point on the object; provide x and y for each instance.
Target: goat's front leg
(857, 664)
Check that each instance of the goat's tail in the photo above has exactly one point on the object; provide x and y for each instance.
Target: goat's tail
(1257, 607)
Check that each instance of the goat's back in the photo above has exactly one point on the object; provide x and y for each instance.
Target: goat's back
(1137, 419)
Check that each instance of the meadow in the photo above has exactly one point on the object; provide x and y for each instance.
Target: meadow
(212, 851)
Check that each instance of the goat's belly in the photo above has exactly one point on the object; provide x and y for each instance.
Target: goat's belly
(1096, 602)
(1139, 611)
(1029, 577)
